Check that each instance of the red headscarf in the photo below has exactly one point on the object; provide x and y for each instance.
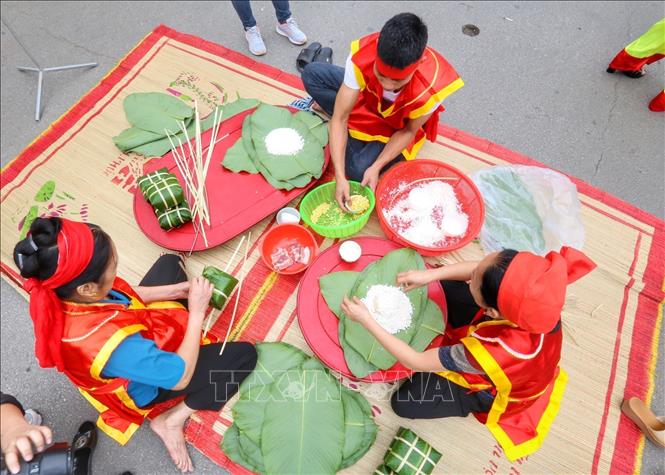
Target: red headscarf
(75, 248)
(533, 290)
(395, 73)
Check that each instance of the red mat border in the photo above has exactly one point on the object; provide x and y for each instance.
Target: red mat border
(638, 377)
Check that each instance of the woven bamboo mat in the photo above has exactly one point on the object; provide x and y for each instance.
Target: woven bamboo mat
(613, 317)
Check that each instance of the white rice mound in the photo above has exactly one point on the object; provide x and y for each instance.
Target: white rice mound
(390, 307)
(284, 141)
(429, 215)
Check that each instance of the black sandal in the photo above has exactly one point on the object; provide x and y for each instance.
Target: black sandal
(324, 55)
(307, 55)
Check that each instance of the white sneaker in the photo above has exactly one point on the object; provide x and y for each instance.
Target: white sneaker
(255, 42)
(292, 32)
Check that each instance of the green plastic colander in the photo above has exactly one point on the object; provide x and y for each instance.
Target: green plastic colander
(326, 194)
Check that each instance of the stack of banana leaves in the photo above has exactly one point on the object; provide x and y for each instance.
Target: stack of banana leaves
(294, 417)
(362, 352)
(287, 171)
(152, 114)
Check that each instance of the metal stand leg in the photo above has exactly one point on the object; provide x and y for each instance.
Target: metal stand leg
(40, 80)
(41, 71)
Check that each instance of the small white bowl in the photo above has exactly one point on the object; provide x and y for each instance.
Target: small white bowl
(350, 251)
(288, 216)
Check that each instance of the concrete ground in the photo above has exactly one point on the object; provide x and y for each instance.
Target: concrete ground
(535, 82)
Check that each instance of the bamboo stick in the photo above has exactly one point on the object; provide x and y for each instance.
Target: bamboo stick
(235, 306)
(228, 264)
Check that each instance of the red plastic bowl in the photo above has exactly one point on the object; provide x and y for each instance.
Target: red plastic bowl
(422, 169)
(284, 235)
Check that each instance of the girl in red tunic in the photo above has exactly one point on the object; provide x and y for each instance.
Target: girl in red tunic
(125, 348)
(501, 359)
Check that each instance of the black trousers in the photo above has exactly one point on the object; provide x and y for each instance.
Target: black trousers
(216, 378)
(430, 396)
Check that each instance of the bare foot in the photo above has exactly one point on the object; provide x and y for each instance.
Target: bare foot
(171, 433)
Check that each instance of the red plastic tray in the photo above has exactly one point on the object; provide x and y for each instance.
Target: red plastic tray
(319, 325)
(237, 201)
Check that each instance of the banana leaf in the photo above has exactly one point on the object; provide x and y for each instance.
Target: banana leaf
(362, 352)
(156, 144)
(357, 363)
(274, 361)
(156, 111)
(237, 159)
(233, 450)
(385, 272)
(251, 452)
(303, 432)
(249, 154)
(359, 427)
(308, 160)
(335, 286)
(315, 124)
(174, 217)
(225, 284)
(431, 325)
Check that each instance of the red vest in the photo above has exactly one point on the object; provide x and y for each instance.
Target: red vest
(523, 371)
(93, 331)
(375, 119)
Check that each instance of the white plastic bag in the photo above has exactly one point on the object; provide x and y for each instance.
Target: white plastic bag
(529, 209)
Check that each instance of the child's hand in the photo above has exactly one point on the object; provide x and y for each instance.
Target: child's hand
(356, 310)
(412, 279)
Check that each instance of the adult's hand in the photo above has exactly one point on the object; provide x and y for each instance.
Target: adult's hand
(342, 192)
(200, 291)
(20, 439)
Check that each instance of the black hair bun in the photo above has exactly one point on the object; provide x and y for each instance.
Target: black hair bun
(37, 255)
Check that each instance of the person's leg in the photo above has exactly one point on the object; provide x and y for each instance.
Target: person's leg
(252, 33)
(430, 396)
(361, 155)
(286, 25)
(459, 302)
(165, 271)
(215, 380)
(244, 11)
(282, 10)
(322, 81)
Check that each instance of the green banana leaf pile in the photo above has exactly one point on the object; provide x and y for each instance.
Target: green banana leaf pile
(362, 352)
(152, 113)
(249, 154)
(294, 417)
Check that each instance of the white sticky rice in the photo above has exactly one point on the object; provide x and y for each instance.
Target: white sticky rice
(429, 215)
(284, 141)
(390, 307)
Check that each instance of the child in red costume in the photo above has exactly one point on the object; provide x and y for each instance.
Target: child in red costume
(501, 358)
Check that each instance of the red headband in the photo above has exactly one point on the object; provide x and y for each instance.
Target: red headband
(533, 290)
(395, 73)
(75, 248)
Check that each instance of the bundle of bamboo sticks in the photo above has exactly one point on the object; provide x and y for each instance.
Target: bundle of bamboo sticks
(194, 166)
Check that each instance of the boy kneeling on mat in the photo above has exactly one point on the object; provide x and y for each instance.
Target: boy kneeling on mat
(384, 103)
